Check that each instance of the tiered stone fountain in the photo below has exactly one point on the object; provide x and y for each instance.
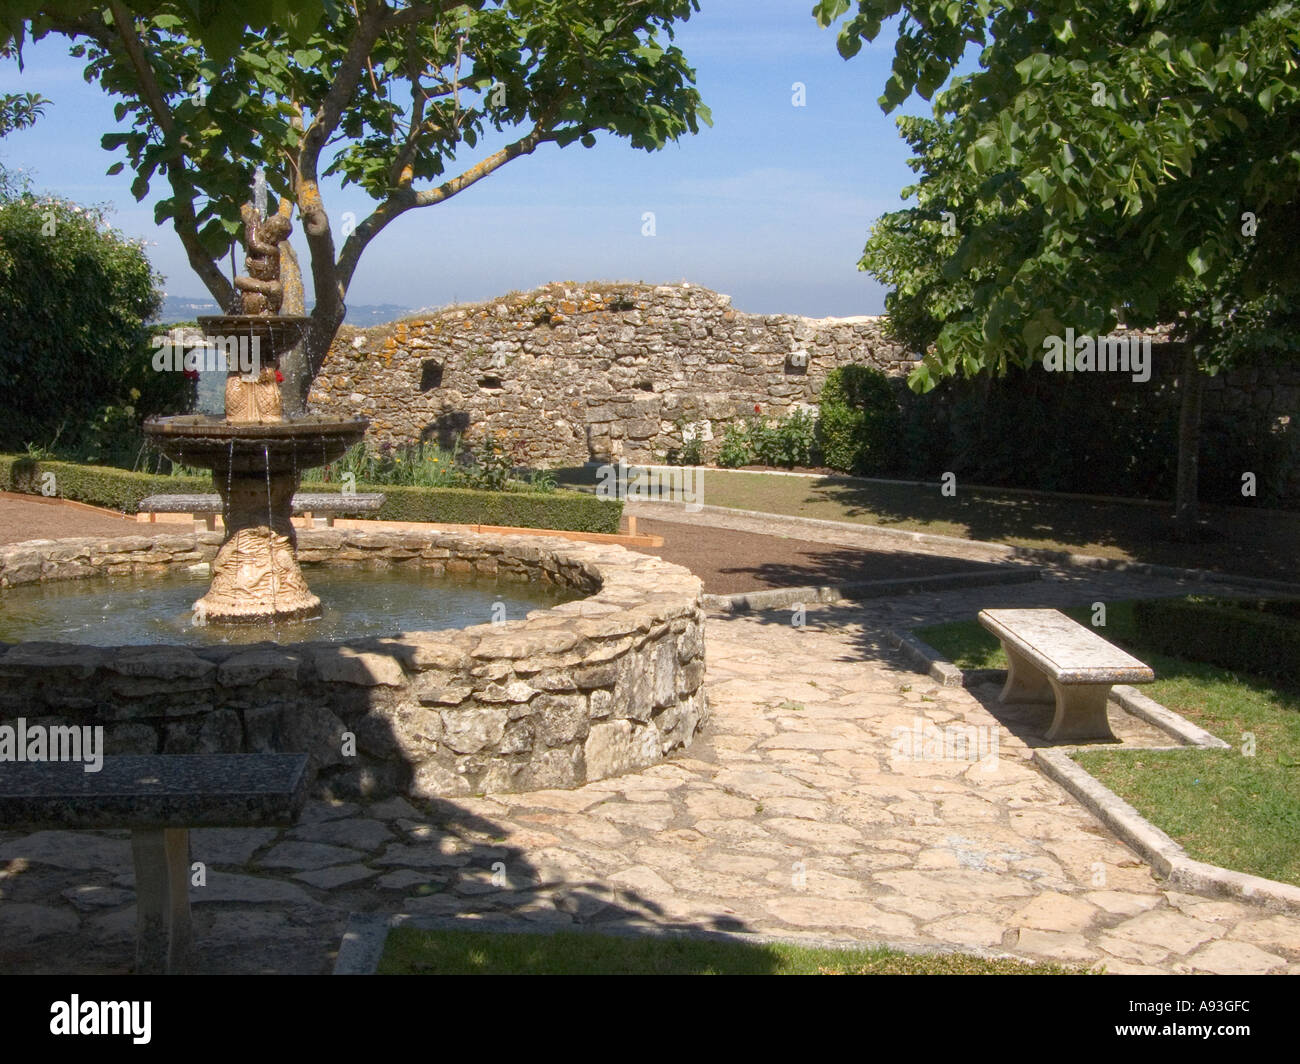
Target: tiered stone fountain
(256, 454)
(607, 681)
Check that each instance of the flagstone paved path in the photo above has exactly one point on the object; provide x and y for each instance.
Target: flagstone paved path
(792, 814)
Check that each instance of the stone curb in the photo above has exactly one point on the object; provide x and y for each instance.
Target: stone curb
(362, 945)
(790, 596)
(363, 940)
(1083, 561)
(1148, 709)
(924, 658)
(1164, 855)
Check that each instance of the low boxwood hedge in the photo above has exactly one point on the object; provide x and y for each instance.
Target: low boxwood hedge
(1259, 637)
(120, 489)
(117, 489)
(571, 511)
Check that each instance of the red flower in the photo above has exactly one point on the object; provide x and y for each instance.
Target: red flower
(279, 377)
(191, 374)
(757, 409)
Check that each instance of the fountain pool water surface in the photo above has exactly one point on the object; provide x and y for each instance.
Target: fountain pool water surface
(144, 610)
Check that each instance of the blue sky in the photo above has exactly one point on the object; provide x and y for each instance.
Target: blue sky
(771, 205)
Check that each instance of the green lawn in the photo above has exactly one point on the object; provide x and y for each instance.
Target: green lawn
(1226, 808)
(1249, 543)
(409, 951)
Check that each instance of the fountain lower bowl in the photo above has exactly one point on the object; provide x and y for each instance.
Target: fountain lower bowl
(609, 683)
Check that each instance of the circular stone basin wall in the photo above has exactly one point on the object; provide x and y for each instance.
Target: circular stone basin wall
(592, 688)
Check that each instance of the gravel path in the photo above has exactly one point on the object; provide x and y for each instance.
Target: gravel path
(24, 517)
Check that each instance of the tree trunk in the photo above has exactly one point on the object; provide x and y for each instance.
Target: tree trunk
(294, 362)
(1190, 381)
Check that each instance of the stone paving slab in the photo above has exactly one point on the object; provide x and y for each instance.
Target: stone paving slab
(835, 794)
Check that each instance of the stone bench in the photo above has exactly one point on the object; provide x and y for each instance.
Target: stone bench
(1054, 660)
(325, 504)
(159, 798)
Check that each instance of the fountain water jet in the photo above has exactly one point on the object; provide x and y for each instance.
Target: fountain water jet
(256, 454)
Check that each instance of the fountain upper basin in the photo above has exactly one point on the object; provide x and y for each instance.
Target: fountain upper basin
(254, 447)
(278, 332)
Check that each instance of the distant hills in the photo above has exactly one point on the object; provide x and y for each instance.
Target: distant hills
(361, 315)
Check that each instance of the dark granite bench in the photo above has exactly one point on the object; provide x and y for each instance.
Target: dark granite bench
(327, 504)
(159, 797)
(1055, 660)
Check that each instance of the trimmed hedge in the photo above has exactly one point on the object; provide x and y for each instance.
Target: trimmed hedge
(121, 489)
(1258, 637)
(117, 489)
(570, 511)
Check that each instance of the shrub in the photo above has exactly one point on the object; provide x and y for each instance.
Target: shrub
(421, 465)
(1242, 441)
(735, 448)
(859, 420)
(1254, 637)
(786, 442)
(492, 467)
(1089, 433)
(75, 353)
(691, 452)
(791, 441)
(122, 490)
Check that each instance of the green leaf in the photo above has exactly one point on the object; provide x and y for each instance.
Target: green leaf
(983, 154)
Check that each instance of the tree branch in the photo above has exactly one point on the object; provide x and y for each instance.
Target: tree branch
(184, 220)
(400, 174)
(403, 200)
(418, 13)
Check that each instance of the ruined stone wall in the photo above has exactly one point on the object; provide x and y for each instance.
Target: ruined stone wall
(580, 371)
(575, 372)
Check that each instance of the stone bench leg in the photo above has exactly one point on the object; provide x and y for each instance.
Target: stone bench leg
(1026, 682)
(164, 938)
(1080, 713)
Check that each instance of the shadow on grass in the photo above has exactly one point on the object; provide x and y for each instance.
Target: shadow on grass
(413, 951)
(1237, 540)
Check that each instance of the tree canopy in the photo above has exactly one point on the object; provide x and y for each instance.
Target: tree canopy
(1106, 155)
(1109, 160)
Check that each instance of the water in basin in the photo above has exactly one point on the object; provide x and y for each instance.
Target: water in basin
(138, 610)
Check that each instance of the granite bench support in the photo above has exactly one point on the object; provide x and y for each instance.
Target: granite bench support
(1056, 661)
(159, 797)
(323, 506)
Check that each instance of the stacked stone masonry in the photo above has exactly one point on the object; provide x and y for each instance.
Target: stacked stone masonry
(574, 372)
(595, 687)
(578, 372)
